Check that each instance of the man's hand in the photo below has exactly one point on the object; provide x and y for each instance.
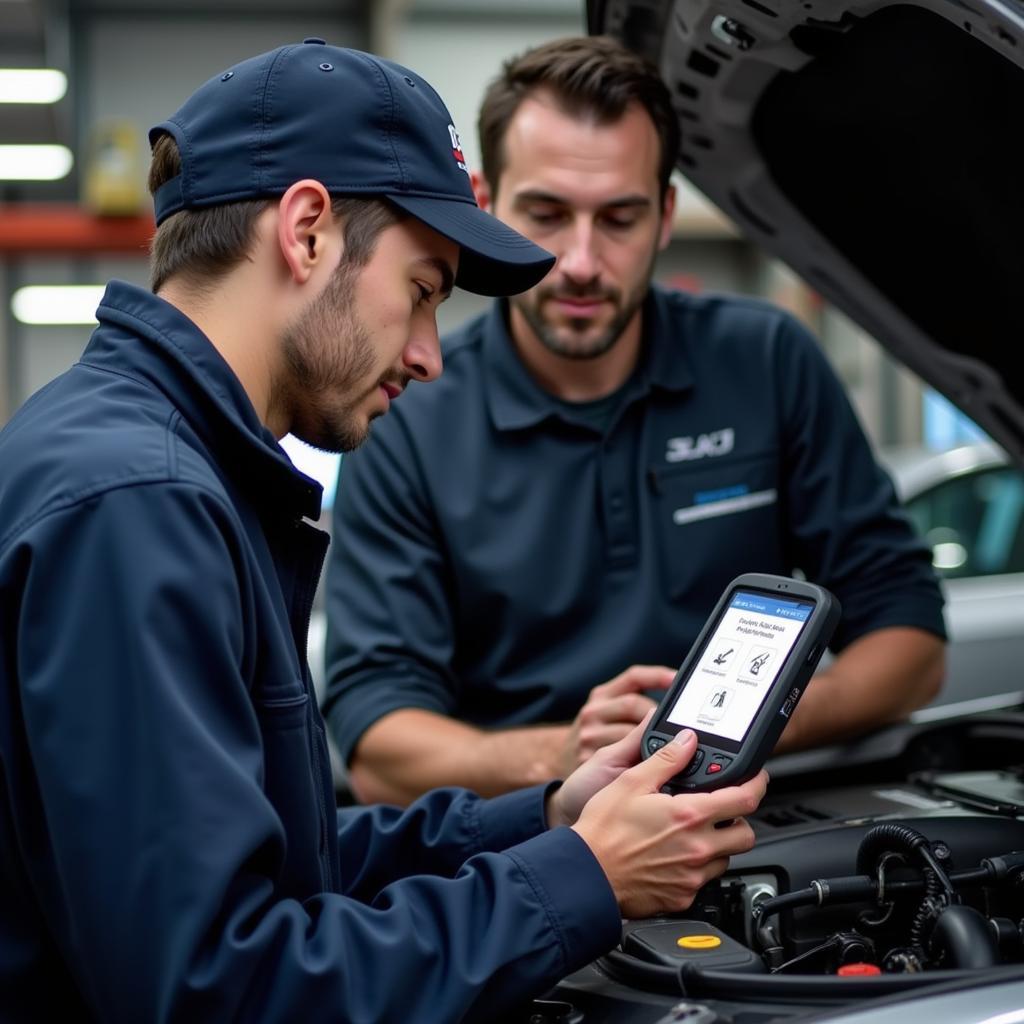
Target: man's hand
(411, 750)
(611, 711)
(658, 850)
(567, 802)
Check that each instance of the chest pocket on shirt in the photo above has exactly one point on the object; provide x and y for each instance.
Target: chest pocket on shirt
(714, 520)
(292, 788)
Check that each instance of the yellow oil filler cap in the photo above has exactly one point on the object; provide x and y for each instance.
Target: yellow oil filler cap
(699, 941)
(689, 943)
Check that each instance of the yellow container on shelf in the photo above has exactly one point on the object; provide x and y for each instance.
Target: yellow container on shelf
(113, 173)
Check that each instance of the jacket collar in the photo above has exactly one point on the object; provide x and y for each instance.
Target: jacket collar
(516, 401)
(178, 359)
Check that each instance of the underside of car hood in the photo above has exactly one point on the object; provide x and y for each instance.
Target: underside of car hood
(877, 149)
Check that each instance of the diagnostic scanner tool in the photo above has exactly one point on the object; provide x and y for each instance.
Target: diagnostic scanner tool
(743, 677)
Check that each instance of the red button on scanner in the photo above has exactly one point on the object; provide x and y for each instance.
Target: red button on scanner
(713, 768)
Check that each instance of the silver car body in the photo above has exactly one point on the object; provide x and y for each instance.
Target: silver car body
(984, 609)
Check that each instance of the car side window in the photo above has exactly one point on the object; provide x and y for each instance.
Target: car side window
(974, 523)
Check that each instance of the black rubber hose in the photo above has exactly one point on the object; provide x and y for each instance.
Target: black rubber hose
(964, 939)
(854, 888)
(630, 970)
(1008, 863)
(892, 837)
(767, 938)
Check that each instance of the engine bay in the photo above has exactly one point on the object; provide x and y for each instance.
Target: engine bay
(890, 867)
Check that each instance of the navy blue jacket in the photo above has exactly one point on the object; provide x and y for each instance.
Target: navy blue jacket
(169, 845)
(498, 553)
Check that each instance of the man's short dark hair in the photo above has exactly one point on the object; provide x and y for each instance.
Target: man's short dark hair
(203, 245)
(589, 76)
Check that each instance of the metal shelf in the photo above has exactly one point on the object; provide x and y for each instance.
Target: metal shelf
(69, 228)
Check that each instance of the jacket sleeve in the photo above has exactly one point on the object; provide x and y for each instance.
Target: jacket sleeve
(845, 527)
(156, 854)
(389, 592)
(435, 835)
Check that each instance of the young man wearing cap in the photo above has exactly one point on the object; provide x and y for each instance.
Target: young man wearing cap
(525, 551)
(169, 848)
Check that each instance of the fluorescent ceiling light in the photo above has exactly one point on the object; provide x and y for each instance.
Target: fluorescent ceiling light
(32, 85)
(34, 163)
(57, 304)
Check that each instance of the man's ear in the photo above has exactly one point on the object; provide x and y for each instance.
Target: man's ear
(481, 189)
(668, 213)
(304, 222)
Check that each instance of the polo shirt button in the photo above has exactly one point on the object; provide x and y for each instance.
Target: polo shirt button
(616, 503)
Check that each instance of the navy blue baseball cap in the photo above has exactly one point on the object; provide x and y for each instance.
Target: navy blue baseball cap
(360, 125)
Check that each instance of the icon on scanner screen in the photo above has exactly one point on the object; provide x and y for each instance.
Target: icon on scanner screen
(758, 663)
(724, 655)
(716, 703)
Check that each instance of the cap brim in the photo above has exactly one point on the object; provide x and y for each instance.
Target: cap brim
(494, 259)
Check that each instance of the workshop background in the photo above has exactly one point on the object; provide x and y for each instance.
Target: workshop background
(81, 81)
(126, 65)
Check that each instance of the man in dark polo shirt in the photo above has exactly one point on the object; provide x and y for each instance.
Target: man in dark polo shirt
(524, 552)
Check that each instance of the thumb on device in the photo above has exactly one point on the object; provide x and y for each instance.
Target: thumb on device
(666, 762)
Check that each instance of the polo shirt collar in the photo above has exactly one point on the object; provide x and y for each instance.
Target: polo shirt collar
(516, 401)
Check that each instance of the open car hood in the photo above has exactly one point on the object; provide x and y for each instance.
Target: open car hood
(878, 149)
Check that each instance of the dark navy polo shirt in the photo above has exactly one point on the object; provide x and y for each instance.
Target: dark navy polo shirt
(497, 554)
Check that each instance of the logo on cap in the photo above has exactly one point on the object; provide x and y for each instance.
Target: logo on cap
(457, 148)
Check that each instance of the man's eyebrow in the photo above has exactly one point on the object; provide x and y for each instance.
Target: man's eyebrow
(628, 201)
(535, 195)
(443, 267)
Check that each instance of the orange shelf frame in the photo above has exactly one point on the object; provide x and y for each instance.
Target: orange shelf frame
(67, 228)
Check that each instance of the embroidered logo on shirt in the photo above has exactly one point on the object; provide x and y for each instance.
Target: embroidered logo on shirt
(724, 507)
(710, 445)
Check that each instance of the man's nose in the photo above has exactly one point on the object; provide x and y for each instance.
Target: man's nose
(579, 259)
(422, 354)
